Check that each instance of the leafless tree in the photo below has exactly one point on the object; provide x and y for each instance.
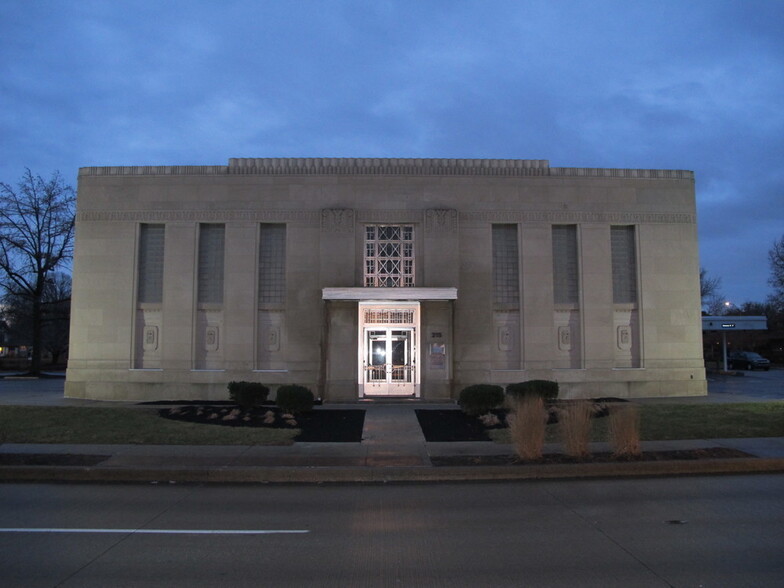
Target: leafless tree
(36, 238)
(776, 259)
(710, 293)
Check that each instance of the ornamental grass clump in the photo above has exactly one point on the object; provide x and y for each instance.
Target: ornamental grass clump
(527, 421)
(480, 399)
(574, 426)
(624, 428)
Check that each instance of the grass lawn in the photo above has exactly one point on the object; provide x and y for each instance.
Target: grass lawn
(691, 421)
(95, 425)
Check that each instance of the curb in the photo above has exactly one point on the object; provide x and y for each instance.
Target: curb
(377, 475)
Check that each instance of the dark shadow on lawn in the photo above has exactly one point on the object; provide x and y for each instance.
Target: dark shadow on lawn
(439, 425)
(317, 426)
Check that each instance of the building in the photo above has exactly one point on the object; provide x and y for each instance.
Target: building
(384, 277)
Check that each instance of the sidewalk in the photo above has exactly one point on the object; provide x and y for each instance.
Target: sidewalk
(393, 449)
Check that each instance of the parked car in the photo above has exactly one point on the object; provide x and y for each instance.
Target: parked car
(747, 360)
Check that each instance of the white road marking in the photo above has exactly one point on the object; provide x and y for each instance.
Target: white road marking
(162, 531)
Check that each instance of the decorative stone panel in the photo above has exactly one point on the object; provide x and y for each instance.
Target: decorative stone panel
(440, 220)
(337, 220)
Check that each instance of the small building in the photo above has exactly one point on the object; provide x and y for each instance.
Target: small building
(368, 278)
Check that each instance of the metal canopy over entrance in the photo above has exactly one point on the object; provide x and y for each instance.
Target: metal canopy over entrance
(388, 348)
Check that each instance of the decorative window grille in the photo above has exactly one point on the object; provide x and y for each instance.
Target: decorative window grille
(389, 256)
(506, 288)
(389, 316)
(565, 265)
(150, 278)
(624, 264)
(210, 280)
(272, 264)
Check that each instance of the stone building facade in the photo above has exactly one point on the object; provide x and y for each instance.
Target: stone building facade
(365, 278)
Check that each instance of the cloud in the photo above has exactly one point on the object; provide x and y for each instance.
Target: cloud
(662, 84)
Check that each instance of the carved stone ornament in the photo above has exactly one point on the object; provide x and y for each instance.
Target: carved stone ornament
(273, 338)
(337, 220)
(624, 336)
(505, 340)
(150, 342)
(564, 338)
(211, 338)
(441, 220)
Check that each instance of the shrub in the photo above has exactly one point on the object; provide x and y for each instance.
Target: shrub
(547, 390)
(624, 427)
(294, 399)
(574, 426)
(527, 422)
(248, 394)
(480, 398)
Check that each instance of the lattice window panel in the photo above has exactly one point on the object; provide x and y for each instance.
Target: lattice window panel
(211, 245)
(565, 264)
(389, 256)
(506, 277)
(272, 264)
(624, 264)
(389, 316)
(150, 278)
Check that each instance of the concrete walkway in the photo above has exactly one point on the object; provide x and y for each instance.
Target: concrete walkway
(393, 448)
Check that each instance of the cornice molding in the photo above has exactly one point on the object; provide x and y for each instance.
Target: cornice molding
(343, 220)
(268, 166)
(388, 166)
(576, 217)
(306, 217)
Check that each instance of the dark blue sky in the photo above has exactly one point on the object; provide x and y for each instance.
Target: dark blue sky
(693, 85)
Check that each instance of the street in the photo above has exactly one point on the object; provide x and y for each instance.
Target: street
(701, 531)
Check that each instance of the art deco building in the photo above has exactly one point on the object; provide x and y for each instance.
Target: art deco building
(384, 277)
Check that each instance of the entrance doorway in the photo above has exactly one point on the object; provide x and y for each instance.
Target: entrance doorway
(389, 350)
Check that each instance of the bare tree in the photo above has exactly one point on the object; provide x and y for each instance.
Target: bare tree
(36, 237)
(56, 315)
(710, 293)
(776, 259)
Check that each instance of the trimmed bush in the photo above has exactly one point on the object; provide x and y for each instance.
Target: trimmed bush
(480, 398)
(248, 394)
(547, 390)
(294, 399)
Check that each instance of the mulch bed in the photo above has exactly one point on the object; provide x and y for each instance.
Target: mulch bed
(317, 426)
(559, 458)
(454, 425)
(51, 459)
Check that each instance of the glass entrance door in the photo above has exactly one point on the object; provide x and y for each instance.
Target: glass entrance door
(389, 361)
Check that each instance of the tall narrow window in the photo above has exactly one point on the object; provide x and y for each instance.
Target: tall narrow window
(150, 278)
(389, 256)
(506, 278)
(272, 264)
(211, 243)
(565, 266)
(624, 264)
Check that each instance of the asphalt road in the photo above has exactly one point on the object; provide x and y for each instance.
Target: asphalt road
(703, 531)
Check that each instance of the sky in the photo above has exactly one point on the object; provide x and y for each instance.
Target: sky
(659, 84)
